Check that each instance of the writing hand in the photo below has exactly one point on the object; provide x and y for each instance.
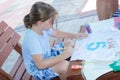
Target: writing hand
(81, 35)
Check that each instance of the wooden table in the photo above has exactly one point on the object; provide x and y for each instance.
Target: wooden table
(78, 75)
(75, 74)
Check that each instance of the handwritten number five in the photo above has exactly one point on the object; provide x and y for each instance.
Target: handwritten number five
(93, 46)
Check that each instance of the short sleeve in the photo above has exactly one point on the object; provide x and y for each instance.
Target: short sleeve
(34, 46)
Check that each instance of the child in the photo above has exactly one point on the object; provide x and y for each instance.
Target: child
(39, 61)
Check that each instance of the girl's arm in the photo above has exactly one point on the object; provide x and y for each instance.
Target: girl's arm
(45, 63)
(61, 34)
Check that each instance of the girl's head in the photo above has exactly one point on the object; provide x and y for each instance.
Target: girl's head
(42, 12)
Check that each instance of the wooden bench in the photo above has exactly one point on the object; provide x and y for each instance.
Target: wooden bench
(9, 40)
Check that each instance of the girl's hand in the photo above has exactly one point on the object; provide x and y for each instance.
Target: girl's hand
(81, 35)
(68, 43)
(67, 52)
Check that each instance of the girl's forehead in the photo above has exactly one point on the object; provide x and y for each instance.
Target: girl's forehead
(51, 19)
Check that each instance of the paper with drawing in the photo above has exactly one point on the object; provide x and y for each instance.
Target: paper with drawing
(98, 51)
(98, 46)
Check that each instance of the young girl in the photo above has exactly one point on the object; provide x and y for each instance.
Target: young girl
(39, 61)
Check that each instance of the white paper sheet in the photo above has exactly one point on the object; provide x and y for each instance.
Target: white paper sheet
(98, 50)
(102, 26)
(98, 46)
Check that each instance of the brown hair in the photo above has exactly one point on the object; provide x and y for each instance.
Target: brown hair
(39, 11)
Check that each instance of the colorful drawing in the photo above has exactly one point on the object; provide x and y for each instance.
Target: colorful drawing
(93, 46)
(98, 46)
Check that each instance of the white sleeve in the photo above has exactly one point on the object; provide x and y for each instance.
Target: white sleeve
(34, 46)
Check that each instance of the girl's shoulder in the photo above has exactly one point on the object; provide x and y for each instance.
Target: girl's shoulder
(30, 33)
